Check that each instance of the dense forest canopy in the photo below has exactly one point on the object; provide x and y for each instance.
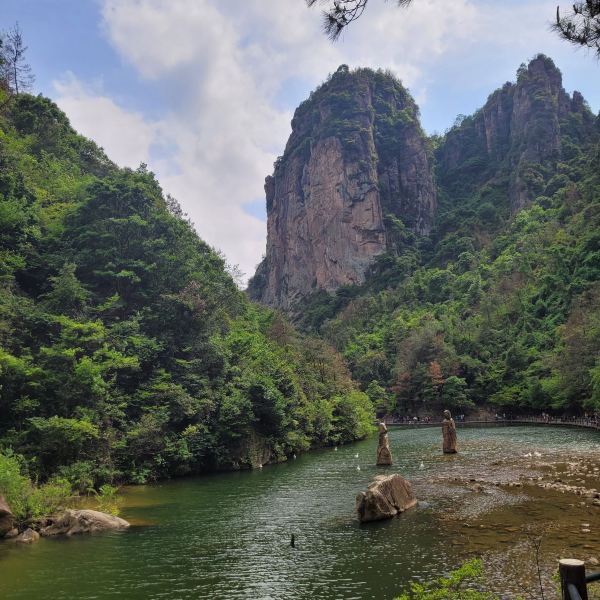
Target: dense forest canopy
(127, 352)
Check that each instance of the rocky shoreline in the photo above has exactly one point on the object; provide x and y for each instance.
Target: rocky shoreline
(513, 510)
(68, 522)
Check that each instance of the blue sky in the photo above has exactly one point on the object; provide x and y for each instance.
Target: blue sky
(204, 90)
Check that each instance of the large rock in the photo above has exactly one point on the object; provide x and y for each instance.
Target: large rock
(356, 155)
(7, 519)
(72, 522)
(29, 536)
(386, 497)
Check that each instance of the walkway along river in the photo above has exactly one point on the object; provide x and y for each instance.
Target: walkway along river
(228, 535)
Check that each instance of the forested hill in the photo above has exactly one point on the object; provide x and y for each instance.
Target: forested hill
(126, 351)
(499, 302)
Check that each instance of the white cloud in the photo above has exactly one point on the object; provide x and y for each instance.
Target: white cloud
(224, 64)
(222, 68)
(125, 136)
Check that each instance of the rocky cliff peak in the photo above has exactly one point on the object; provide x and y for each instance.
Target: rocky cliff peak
(517, 139)
(356, 154)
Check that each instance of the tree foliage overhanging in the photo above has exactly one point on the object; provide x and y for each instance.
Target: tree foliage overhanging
(126, 350)
(580, 25)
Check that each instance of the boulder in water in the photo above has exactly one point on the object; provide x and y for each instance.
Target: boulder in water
(27, 537)
(386, 497)
(72, 522)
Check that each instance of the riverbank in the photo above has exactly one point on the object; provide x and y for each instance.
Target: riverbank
(516, 511)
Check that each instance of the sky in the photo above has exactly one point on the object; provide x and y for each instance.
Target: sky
(203, 91)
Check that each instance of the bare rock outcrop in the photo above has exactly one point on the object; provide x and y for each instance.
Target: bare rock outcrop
(72, 522)
(386, 497)
(513, 144)
(29, 536)
(356, 175)
(356, 155)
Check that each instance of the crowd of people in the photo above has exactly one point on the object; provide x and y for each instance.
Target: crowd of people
(417, 419)
(587, 420)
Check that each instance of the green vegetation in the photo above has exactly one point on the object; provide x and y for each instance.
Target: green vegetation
(27, 500)
(461, 584)
(346, 95)
(498, 306)
(126, 351)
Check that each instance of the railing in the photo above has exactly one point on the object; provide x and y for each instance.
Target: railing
(590, 422)
(573, 580)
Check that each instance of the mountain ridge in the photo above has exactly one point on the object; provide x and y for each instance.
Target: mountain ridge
(325, 230)
(499, 304)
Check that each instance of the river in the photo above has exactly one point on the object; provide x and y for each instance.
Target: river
(228, 535)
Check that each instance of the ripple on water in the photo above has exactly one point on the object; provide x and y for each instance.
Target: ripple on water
(228, 535)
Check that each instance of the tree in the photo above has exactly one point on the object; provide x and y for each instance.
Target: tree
(3, 82)
(436, 377)
(343, 12)
(16, 72)
(581, 26)
(67, 295)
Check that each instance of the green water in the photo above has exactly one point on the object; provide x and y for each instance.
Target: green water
(227, 535)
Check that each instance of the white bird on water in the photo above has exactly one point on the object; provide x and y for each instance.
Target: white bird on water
(358, 467)
(421, 466)
(356, 455)
(335, 449)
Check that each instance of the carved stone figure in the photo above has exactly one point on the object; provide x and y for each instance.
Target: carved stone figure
(384, 454)
(449, 433)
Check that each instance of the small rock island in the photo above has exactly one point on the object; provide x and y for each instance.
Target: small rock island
(386, 497)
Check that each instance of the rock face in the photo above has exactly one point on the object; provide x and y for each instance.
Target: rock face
(356, 155)
(386, 497)
(510, 148)
(72, 522)
(384, 454)
(7, 519)
(357, 163)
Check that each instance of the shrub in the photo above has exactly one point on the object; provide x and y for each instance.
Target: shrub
(460, 584)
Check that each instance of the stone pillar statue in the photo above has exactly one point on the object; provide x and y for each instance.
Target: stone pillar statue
(384, 454)
(449, 433)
